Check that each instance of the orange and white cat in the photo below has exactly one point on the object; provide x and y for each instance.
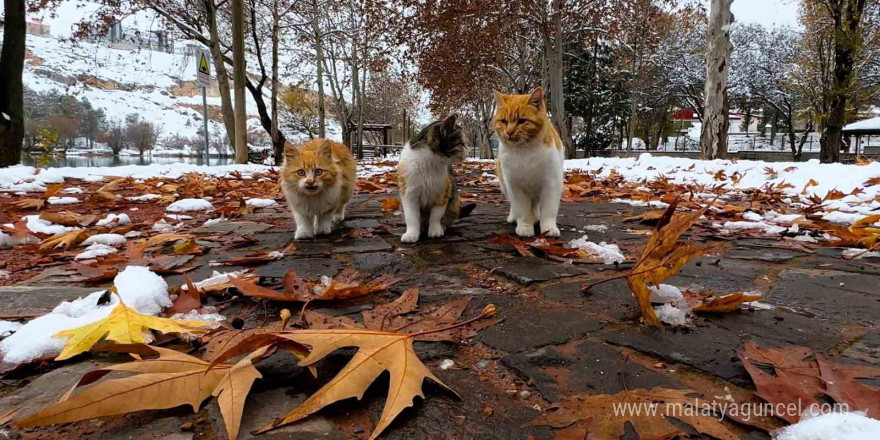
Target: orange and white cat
(529, 162)
(318, 180)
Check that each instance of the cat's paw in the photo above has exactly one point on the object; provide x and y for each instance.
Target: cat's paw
(324, 229)
(551, 231)
(435, 231)
(338, 217)
(303, 233)
(525, 230)
(409, 237)
(511, 218)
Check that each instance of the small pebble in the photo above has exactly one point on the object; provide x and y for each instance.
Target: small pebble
(446, 364)
(525, 394)
(482, 365)
(358, 430)
(511, 393)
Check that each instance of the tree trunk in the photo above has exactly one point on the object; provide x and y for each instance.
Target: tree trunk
(484, 114)
(238, 78)
(277, 147)
(554, 49)
(222, 73)
(774, 127)
(847, 38)
(713, 139)
(319, 55)
(11, 88)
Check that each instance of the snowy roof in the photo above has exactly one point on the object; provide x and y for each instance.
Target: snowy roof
(867, 125)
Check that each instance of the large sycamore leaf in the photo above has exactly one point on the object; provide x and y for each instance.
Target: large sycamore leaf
(601, 417)
(171, 380)
(233, 389)
(64, 241)
(378, 351)
(663, 256)
(123, 326)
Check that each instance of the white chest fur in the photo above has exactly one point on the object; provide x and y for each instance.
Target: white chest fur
(531, 169)
(425, 174)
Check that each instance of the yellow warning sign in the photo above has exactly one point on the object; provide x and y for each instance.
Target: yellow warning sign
(203, 65)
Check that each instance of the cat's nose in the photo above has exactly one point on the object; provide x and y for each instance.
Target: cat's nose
(310, 181)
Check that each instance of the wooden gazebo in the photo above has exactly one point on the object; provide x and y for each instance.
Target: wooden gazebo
(863, 133)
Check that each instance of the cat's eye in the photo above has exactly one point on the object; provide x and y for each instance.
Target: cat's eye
(520, 121)
(318, 171)
(301, 172)
(504, 121)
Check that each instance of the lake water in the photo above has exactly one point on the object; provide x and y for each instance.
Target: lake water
(111, 161)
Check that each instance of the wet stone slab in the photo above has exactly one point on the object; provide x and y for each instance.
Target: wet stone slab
(450, 253)
(30, 299)
(528, 270)
(720, 275)
(371, 244)
(237, 227)
(587, 366)
(829, 294)
(612, 300)
(378, 263)
(528, 326)
(305, 267)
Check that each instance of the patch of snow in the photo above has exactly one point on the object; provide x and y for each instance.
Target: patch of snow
(62, 200)
(596, 228)
(189, 205)
(144, 198)
(8, 241)
(206, 314)
(608, 253)
(766, 227)
(39, 226)
(671, 315)
(215, 279)
(132, 234)
(105, 239)
(652, 203)
(842, 218)
(139, 288)
(858, 254)
(213, 221)
(73, 190)
(8, 327)
(121, 219)
(665, 294)
(832, 426)
(163, 226)
(261, 203)
(752, 216)
(94, 251)
(178, 217)
(446, 364)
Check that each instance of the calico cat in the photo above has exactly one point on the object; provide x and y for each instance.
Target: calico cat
(318, 180)
(529, 163)
(426, 180)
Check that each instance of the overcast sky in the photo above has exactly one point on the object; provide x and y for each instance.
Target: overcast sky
(766, 12)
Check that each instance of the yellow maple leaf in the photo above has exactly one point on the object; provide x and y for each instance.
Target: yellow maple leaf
(123, 326)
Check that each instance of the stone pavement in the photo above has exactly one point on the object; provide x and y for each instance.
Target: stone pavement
(555, 341)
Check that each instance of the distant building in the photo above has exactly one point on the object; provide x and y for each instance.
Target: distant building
(686, 118)
(37, 28)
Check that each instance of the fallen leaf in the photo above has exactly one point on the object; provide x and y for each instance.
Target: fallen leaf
(122, 326)
(68, 218)
(234, 388)
(64, 241)
(725, 303)
(842, 385)
(390, 204)
(598, 416)
(188, 299)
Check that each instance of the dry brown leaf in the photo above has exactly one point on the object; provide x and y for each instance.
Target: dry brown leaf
(171, 380)
(188, 299)
(234, 388)
(842, 385)
(663, 256)
(64, 241)
(390, 204)
(725, 303)
(249, 287)
(598, 416)
(68, 218)
(27, 204)
(165, 238)
(377, 353)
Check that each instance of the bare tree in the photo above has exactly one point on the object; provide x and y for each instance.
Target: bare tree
(713, 139)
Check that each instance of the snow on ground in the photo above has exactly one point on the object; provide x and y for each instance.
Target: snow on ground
(119, 219)
(754, 175)
(62, 200)
(94, 251)
(139, 288)
(189, 205)
(261, 203)
(608, 253)
(105, 239)
(832, 426)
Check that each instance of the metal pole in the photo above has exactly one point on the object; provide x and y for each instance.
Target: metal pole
(205, 118)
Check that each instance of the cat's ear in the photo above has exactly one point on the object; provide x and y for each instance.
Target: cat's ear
(290, 151)
(499, 98)
(447, 127)
(326, 150)
(536, 98)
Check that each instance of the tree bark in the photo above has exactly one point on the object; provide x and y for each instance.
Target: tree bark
(319, 55)
(553, 48)
(11, 87)
(222, 74)
(238, 78)
(278, 147)
(847, 15)
(713, 139)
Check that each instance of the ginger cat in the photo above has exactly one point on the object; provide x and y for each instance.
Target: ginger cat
(426, 180)
(529, 162)
(318, 180)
